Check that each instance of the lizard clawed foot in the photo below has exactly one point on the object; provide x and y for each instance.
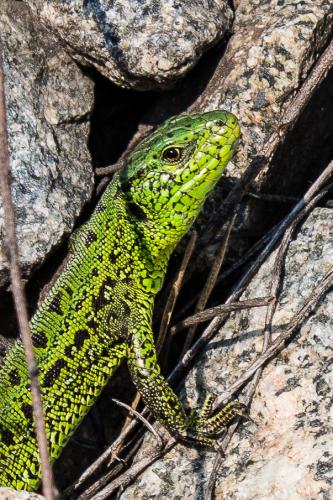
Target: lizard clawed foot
(203, 427)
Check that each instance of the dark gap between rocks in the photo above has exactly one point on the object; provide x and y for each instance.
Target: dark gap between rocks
(115, 119)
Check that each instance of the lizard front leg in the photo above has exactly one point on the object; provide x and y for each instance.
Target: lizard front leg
(164, 404)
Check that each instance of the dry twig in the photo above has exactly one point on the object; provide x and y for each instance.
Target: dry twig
(19, 296)
(175, 289)
(210, 282)
(221, 309)
(316, 295)
(240, 262)
(133, 472)
(143, 420)
(113, 473)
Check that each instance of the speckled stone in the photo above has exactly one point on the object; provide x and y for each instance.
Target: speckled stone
(289, 453)
(48, 103)
(9, 494)
(274, 46)
(139, 44)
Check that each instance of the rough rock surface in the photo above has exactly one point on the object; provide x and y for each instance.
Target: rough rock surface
(273, 48)
(289, 453)
(9, 494)
(48, 101)
(139, 44)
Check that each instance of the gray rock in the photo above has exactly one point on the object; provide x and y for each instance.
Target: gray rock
(139, 44)
(10, 494)
(289, 453)
(274, 46)
(48, 102)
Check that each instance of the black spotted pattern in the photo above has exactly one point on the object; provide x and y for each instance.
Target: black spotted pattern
(79, 338)
(53, 373)
(7, 437)
(14, 377)
(90, 238)
(39, 340)
(55, 304)
(102, 300)
(27, 410)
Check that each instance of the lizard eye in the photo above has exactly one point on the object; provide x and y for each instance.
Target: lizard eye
(172, 154)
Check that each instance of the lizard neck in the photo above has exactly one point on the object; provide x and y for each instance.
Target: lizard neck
(136, 249)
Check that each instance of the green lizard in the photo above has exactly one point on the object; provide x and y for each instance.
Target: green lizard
(99, 311)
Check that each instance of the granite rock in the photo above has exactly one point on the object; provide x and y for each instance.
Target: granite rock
(10, 494)
(138, 44)
(289, 453)
(48, 104)
(274, 46)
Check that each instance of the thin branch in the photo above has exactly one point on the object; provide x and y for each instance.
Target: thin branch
(100, 483)
(128, 420)
(233, 267)
(248, 254)
(176, 286)
(127, 477)
(311, 84)
(220, 455)
(110, 475)
(210, 282)
(109, 170)
(142, 132)
(279, 198)
(102, 458)
(324, 285)
(19, 296)
(143, 420)
(218, 310)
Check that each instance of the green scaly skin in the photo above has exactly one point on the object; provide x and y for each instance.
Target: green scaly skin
(99, 312)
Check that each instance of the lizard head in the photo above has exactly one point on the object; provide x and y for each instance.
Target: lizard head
(168, 176)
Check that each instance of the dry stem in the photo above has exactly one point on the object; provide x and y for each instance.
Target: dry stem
(19, 296)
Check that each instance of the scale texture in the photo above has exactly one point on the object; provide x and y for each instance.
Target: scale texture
(99, 312)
